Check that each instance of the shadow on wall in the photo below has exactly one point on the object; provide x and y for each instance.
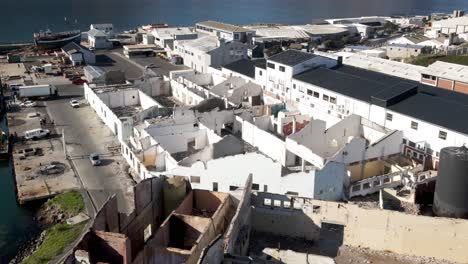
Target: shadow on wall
(100, 245)
(278, 222)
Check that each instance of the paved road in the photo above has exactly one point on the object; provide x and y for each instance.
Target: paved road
(133, 68)
(85, 134)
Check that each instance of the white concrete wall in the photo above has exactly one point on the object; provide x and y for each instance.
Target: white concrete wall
(281, 83)
(120, 128)
(264, 141)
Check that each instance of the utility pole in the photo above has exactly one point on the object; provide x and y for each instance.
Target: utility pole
(64, 144)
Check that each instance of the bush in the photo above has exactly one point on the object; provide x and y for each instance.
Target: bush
(56, 239)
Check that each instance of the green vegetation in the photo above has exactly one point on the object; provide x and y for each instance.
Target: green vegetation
(427, 60)
(56, 239)
(389, 27)
(273, 50)
(60, 235)
(70, 202)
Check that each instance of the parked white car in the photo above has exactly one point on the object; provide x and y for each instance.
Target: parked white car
(74, 103)
(95, 159)
(36, 133)
(28, 104)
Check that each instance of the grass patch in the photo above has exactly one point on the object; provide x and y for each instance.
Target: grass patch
(427, 60)
(56, 239)
(70, 202)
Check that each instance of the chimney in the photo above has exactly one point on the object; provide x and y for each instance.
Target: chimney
(339, 61)
(220, 42)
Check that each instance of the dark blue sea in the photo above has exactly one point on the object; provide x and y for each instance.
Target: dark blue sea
(20, 18)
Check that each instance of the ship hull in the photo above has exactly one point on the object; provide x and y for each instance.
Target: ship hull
(58, 43)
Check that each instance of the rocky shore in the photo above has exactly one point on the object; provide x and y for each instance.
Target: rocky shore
(47, 216)
(28, 248)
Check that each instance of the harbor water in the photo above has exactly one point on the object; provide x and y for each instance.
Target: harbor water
(17, 225)
(20, 19)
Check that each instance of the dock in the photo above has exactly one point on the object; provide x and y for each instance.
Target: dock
(40, 166)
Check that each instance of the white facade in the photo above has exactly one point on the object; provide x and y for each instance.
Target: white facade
(225, 31)
(451, 25)
(279, 76)
(97, 39)
(418, 140)
(165, 37)
(208, 51)
(105, 100)
(106, 28)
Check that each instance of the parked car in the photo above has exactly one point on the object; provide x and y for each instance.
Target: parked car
(79, 81)
(36, 133)
(74, 103)
(95, 159)
(28, 104)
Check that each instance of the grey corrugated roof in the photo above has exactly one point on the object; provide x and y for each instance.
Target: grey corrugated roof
(245, 66)
(434, 105)
(223, 26)
(96, 33)
(72, 47)
(291, 57)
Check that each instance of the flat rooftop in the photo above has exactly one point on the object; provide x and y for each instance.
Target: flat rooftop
(291, 57)
(363, 84)
(223, 26)
(449, 71)
(245, 66)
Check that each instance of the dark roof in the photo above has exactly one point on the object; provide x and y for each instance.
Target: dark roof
(434, 105)
(210, 104)
(72, 46)
(245, 66)
(291, 57)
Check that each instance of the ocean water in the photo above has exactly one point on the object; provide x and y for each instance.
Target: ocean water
(20, 18)
(16, 222)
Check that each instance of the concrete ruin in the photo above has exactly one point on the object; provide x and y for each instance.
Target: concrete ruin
(150, 234)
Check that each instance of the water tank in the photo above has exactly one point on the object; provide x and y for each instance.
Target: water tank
(451, 191)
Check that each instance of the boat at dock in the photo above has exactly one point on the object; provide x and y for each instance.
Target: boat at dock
(56, 40)
(4, 145)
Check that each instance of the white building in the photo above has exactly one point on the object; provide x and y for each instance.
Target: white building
(209, 51)
(332, 94)
(403, 51)
(388, 93)
(421, 40)
(389, 67)
(98, 39)
(280, 69)
(121, 106)
(225, 31)
(451, 25)
(78, 55)
(165, 37)
(183, 146)
(106, 28)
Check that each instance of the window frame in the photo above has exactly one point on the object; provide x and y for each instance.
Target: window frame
(443, 134)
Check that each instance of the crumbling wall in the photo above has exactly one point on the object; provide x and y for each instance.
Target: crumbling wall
(238, 233)
(148, 212)
(275, 214)
(110, 247)
(437, 237)
(107, 219)
(214, 252)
